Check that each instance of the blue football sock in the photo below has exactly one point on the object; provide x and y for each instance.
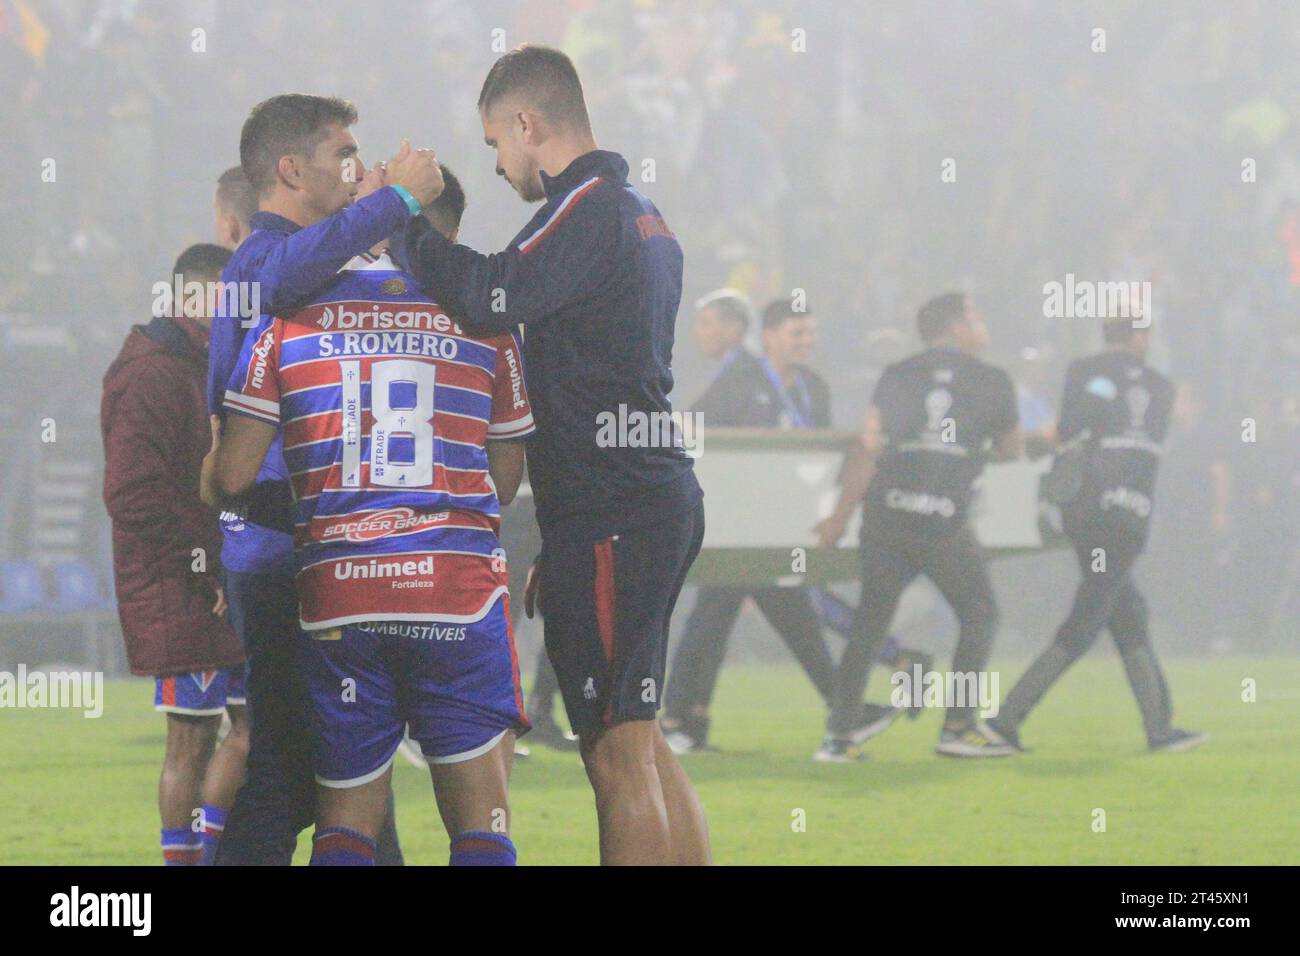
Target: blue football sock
(181, 846)
(339, 846)
(214, 824)
(480, 848)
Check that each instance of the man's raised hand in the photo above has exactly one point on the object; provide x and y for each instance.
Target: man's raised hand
(417, 171)
(375, 179)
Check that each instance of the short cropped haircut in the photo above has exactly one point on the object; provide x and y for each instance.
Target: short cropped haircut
(201, 261)
(541, 78)
(731, 304)
(446, 211)
(934, 318)
(284, 124)
(779, 311)
(1118, 331)
(235, 194)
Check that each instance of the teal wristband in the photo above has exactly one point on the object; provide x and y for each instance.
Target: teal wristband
(411, 202)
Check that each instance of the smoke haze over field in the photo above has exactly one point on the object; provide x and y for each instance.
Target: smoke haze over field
(871, 154)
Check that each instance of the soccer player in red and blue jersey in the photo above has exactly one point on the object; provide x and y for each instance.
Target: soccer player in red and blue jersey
(317, 208)
(400, 435)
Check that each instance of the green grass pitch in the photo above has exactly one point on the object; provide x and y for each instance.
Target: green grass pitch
(79, 791)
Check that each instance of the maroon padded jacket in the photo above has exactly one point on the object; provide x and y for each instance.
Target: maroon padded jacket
(153, 416)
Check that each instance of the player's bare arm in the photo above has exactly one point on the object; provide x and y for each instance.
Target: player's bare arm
(506, 466)
(858, 469)
(230, 468)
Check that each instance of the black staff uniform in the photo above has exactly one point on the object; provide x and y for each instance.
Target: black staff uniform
(939, 412)
(747, 393)
(1124, 408)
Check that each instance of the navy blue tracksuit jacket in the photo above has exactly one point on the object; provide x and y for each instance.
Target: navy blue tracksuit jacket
(595, 278)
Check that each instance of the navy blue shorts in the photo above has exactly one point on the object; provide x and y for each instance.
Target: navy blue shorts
(606, 606)
(455, 685)
(201, 693)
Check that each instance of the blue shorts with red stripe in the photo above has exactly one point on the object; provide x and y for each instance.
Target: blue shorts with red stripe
(607, 606)
(455, 685)
(201, 693)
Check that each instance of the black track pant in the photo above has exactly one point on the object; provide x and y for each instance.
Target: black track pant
(699, 655)
(890, 562)
(1106, 599)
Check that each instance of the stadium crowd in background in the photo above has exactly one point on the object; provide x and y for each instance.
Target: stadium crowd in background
(777, 177)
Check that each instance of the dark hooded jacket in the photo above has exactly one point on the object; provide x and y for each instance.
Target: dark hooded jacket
(166, 542)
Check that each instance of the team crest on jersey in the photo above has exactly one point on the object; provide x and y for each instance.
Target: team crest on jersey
(393, 286)
(203, 679)
(379, 524)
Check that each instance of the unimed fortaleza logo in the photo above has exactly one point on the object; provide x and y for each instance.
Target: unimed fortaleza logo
(1084, 299)
(73, 690)
(377, 568)
(75, 908)
(632, 428)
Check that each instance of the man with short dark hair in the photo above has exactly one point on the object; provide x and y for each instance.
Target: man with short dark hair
(933, 421)
(233, 208)
(404, 482)
(445, 212)
(722, 320)
(300, 157)
(595, 278)
(774, 390)
(1118, 408)
(166, 546)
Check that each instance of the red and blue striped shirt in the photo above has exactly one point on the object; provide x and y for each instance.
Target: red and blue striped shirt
(386, 406)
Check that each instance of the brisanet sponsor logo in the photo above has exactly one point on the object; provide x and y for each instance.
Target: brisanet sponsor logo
(76, 908)
(377, 317)
(382, 523)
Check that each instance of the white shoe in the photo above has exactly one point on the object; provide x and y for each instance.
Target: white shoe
(974, 741)
(679, 743)
(838, 750)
